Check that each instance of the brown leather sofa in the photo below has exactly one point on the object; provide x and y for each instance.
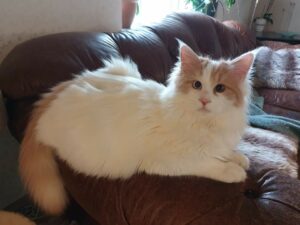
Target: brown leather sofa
(268, 197)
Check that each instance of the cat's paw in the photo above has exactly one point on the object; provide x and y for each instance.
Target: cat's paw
(241, 160)
(233, 173)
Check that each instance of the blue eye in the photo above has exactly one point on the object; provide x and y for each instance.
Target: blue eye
(197, 84)
(219, 88)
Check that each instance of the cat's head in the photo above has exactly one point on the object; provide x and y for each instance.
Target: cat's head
(210, 86)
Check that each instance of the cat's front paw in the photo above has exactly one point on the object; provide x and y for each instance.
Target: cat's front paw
(233, 173)
(241, 160)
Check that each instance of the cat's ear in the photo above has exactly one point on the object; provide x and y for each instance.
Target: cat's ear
(241, 66)
(188, 58)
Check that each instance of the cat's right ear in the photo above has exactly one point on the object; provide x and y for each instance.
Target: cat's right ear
(241, 66)
(188, 58)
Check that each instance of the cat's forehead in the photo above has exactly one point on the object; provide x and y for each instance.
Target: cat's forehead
(214, 71)
(209, 72)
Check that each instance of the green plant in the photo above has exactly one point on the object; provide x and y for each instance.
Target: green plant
(137, 8)
(202, 5)
(198, 5)
(229, 3)
(268, 17)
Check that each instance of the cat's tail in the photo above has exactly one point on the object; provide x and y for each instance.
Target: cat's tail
(11, 218)
(39, 173)
(121, 67)
(38, 167)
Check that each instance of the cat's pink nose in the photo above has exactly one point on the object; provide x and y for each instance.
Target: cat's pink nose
(204, 101)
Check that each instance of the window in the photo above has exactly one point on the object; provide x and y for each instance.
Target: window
(154, 10)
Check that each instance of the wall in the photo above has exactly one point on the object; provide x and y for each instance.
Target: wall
(241, 11)
(295, 21)
(285, 15)
(21, 20)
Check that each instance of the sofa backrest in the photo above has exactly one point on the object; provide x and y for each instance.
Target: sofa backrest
(33, 67)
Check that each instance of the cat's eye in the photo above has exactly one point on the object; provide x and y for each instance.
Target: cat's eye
(219, 88)
(197, 84)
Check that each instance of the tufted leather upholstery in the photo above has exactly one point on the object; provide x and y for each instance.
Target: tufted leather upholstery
(266, 198)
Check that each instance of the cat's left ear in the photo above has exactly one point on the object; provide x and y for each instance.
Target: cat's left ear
(241, 65)
(188, 58)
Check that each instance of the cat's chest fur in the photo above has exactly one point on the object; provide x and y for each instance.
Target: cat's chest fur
(211, 136)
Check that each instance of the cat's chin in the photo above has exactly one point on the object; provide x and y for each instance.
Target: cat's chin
(204, 110)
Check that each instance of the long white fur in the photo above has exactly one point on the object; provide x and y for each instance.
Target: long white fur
(113, 123)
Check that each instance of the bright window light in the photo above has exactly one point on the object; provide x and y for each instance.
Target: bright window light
(154, 10)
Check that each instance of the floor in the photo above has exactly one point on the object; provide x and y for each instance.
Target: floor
(11, 188)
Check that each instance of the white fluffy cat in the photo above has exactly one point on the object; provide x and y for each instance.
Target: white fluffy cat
(111, 122)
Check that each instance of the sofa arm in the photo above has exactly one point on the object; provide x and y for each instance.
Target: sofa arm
(270, 199)
(275, 200)
(281, 102)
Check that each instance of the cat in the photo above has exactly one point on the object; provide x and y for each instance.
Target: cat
(112, 123)
(11, 218)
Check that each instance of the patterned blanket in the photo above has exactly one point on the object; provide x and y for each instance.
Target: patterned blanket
(273, 143)
(277, 69)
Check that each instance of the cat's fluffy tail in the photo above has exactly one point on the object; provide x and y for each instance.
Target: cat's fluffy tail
(38, 168)
(41, 177)
(121, 67)
(11, 218)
